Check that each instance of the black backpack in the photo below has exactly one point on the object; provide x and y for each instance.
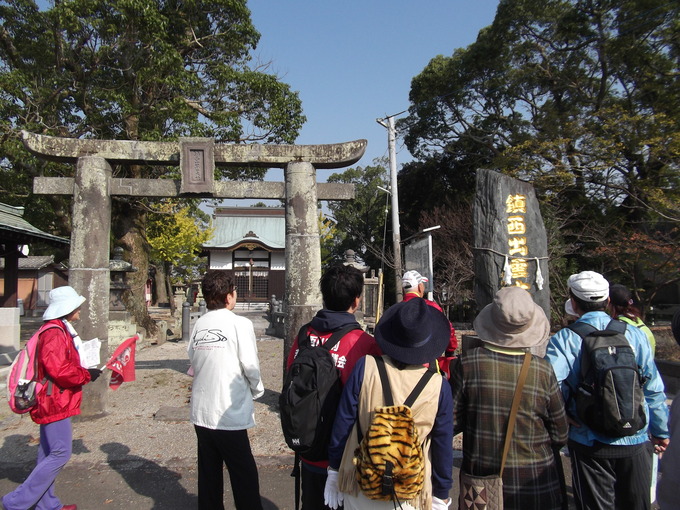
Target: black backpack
(609, 398)
(310, 396)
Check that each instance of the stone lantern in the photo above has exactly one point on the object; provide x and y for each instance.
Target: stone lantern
(118, 269)
(350, 260)
(121, 324)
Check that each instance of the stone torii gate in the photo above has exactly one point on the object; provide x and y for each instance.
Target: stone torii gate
(93, 186)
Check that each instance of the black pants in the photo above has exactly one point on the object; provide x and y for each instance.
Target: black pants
(233, 448)
(313, 485)
(611, 477)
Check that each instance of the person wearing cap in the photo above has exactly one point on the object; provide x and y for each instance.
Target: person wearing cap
(410, 334)
(483, 383)
(623, 307)
(667, 490)
(341, 289)
(413, 284)
(59, 362)
(607, 472)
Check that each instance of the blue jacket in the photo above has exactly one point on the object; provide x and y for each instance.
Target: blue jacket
(564, 349)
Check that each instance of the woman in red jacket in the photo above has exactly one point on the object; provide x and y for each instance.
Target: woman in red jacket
(59, 362)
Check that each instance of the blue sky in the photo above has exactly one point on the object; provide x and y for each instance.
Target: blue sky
(352, 61)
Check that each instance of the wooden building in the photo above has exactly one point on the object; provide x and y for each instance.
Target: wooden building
(250, 242)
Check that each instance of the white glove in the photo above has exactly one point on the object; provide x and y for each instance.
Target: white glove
(332, 497)
(438, 504)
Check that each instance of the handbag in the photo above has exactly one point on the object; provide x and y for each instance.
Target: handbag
(486, 492)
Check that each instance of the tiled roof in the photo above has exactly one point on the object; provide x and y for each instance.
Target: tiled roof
(250, 224)
(15, 228)
(34, 262)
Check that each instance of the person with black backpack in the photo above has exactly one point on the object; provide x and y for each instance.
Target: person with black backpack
(614, 399)
(315, 377)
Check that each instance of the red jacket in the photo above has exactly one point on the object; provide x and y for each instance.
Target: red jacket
(354, 345)
(444, 361)
(58, 360)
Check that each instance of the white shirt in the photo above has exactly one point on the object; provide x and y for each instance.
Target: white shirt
(223, 354)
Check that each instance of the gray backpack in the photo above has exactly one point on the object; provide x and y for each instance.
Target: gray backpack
(609, 398)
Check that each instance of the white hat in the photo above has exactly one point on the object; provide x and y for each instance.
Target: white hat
(589, 286)
(411, 280)
(63, 300)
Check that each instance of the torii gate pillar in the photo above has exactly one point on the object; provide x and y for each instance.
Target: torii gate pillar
(89, 262)
(303, 250)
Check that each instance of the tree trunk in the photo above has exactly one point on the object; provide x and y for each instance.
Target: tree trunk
(129, 227)
(160, 278)
(168, 272)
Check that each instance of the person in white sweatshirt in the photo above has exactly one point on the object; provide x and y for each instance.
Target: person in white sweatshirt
(223, 354)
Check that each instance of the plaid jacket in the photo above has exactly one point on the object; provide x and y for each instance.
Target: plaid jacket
(483, 384)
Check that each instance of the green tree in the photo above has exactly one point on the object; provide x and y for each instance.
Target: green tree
(132, 70)
(175, 236)
(328, 237)
(361, 223)
(579, 98)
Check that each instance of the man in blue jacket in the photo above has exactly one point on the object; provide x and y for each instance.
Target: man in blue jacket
(608, 472)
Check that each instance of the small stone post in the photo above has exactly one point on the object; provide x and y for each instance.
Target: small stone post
(186, 321)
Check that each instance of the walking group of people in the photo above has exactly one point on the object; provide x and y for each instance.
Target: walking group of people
(498, 394)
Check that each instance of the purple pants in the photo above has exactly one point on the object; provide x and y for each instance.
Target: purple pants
(56, 441)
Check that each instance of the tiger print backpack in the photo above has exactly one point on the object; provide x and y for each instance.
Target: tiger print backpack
(389, 459)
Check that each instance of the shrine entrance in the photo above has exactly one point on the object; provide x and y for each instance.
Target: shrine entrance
(93, 186)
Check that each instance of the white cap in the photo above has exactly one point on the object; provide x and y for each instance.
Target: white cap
(411, 280)
(589, 286)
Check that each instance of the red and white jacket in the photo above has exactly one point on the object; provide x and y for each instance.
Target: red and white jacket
(59, 361)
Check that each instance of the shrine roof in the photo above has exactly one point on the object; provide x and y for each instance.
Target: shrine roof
(15, 229)
(233, 226)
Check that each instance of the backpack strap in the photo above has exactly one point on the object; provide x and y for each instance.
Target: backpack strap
(582, 329)
(616, 326)
(337, 335)
(45, 379)
(388, 399)
(332, 340)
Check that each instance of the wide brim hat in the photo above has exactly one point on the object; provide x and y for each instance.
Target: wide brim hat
(413, 332)
(63, 300)
(512, 320)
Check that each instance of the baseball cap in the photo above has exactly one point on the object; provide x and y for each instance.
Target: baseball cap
(411, 280)
(589, 286)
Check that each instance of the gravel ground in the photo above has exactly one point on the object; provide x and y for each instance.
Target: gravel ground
(148, 418)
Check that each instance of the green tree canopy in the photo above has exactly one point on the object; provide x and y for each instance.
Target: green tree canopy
(361, 223)
(132, 70)
(580, 98)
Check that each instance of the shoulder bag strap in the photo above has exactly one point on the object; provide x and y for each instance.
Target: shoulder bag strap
(515, 406)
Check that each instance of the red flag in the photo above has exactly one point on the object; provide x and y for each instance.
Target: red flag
(122, 363)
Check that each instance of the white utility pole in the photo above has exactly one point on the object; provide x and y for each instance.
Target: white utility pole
(396, 236)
